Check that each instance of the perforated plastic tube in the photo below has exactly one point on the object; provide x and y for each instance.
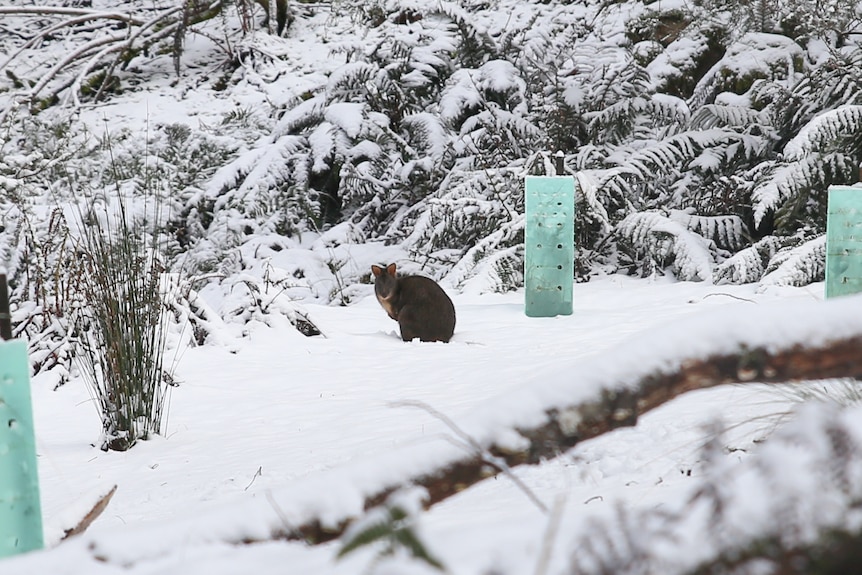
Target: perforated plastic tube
(549, 250)
(844, 241)
(20, 508)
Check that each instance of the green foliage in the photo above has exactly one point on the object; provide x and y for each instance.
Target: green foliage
(797, 266)
(750, 264)
(392, 527)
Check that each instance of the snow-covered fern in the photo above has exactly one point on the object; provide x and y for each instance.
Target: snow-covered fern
(656, 242)
(798, 266)
(748, 265)
(728, 232)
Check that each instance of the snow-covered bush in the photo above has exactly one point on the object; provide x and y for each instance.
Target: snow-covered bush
(418, 131)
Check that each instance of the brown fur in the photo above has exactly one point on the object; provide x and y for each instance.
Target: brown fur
(419, 305)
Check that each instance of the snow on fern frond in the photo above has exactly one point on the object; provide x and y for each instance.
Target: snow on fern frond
(468, 207)
(798, 266)
(300, 118)
(495, 264)
(669, 109)
(668, 155)
(665, 243)
(788, 181)
(588, 198)
(350, 81)
(749, 265)
(824, 131)
(674, 154)
(427, 134)
(833, 83)
(476, 45)
(727, 231)
(256, 169)
(459, 99)
(347, 116)
(470, 90)
(498, 135)
(500, 81)
(724, 116)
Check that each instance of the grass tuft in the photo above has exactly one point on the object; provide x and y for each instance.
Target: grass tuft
(122, 329)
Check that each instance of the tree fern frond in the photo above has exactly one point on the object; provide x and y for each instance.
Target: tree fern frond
(349, 82)
(657, 242)
(827, 131)
(675, 154)
(835, 84)
(468, 207)
(671, 154)
(749, 264)
(588, 201)
(724, 116)
(728, 231)
(499, 133)
(300, 118)
(797, 266)
(495, 264)
(427, 134)
(787, 186)
(476, 46)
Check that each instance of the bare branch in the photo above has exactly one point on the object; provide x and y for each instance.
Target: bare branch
(77, 54)
(478, 450)
(45, 32)
(62, 11)
(109, 50)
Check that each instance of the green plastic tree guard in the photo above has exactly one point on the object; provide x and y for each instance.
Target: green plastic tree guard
(550, 249)
(20, 509)
(844, 241)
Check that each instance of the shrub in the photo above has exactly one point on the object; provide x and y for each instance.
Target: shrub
(122, 327)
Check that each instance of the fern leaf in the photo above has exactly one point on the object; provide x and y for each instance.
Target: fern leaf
(677, 152)
(723, 116)
(789, 180)
(663, 242)
(798, 266)
(368, 533)
(750, 264)
(409, 541)
(588, 199)
(490, 268)
(824, 131)
(307, 114)
(727, 231)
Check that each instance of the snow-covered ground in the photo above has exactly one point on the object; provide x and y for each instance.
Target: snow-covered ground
(269, 426)
(273, 419)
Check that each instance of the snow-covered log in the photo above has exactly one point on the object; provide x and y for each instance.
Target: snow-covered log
(774, 345)
(551, 412)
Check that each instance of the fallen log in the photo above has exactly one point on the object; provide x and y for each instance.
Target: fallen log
(798, 348)
(541, 419)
